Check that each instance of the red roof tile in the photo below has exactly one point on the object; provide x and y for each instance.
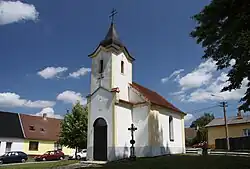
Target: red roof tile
(43, 129)
(154, 97)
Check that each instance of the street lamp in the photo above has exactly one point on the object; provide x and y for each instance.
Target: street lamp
(224, 104)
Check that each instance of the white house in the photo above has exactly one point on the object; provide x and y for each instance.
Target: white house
(11, 134)
(115, 102)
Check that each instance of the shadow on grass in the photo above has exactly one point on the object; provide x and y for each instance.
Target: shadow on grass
(180, 162)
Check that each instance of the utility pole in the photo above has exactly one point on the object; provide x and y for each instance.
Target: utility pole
(224, 105)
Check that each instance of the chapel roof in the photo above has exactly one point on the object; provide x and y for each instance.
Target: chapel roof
(111, 37)
(40, 128)
(155, 98)
(112, 40)
(10, 125)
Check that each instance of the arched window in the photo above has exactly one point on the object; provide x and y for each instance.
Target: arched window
(101, 66)
(171, 128)
(122, 67)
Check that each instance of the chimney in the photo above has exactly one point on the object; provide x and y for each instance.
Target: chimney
(44, 116)
(239, 115)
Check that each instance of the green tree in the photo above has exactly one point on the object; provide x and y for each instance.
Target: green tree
(200, 124)
(202, 121)
(223, 30)
(74, 128)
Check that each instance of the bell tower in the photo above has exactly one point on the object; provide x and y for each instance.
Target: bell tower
(111, 63)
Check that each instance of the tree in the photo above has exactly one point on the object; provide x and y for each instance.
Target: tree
(74, 128)
(223, 30)
(200, 124)
(202, 121)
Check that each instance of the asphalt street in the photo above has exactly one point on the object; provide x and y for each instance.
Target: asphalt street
(2, 165)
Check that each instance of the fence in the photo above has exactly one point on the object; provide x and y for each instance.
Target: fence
(237, 143)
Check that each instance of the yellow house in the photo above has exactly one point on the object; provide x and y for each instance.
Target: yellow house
(41, 134)
(238, 126)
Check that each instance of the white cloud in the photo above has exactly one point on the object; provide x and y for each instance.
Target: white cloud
(205, 94)
(198, 77)
(71, 97)
(15, 11)
(232, 62)
(51, 72)
(49, 112)
(175, 73)
(188, 117)
(81, 72)
(202, 83)
(14, 100)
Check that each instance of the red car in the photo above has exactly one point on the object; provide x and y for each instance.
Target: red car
(50, 155)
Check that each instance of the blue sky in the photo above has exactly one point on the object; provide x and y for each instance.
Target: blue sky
(59, 35)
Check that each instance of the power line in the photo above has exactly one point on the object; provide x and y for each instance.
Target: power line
(199, 110)
(206, 108)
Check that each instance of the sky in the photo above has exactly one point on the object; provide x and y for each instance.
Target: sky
(44, 47)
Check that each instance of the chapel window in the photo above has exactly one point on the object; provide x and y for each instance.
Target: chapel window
(101, 66)
(171, 128)
(122, 67)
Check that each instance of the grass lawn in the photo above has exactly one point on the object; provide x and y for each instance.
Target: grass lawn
(181, 162)
(41, 165)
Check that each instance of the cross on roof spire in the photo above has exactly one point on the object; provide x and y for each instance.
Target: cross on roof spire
(112, 15)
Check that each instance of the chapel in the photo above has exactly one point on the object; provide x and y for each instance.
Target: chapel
(116, 101)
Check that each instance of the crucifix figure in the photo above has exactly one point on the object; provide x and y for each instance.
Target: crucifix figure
(112, 15)
(132, 142)
(100, 79)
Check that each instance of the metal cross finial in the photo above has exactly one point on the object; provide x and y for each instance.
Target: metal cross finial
(112, 15)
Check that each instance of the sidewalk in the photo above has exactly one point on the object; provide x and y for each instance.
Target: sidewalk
(198, 151)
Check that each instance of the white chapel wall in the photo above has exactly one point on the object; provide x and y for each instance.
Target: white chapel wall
(162, 144)
(123, 135)
(121, 80)
(100, 106)
(140, 120)
(134, 97)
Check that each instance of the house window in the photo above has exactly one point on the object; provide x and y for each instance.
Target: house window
(57, 146)
(31, 127)
(246, 132)
(33, 145)
(171, 128)
(8, 146)
(122, 67)
(42, 130)
(101, 66)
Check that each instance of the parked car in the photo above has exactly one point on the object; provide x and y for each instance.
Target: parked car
(50, 155)
(13, 157)
(80, 155)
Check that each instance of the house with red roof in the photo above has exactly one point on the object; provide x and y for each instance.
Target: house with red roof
(116, 102)
(31, 134)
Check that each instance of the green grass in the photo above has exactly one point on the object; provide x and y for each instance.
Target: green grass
(181, 162)
(41, 165)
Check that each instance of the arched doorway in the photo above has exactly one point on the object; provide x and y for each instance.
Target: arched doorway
(100, 140)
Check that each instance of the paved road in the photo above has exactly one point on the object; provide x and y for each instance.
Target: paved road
(2, 165)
